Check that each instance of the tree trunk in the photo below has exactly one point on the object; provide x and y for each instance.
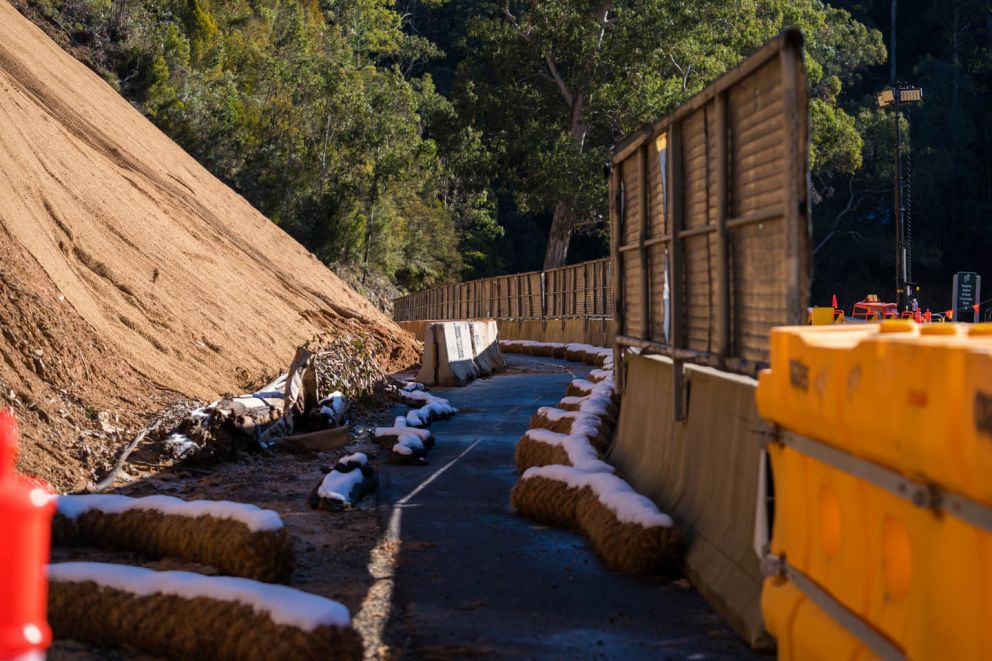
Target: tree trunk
(560, 236)
(563, 221)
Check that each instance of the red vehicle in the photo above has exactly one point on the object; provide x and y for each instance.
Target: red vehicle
(871, 309)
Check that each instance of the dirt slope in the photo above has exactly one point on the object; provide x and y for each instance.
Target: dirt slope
(128, 273)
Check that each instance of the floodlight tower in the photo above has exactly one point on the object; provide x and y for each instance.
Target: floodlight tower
(896, 96)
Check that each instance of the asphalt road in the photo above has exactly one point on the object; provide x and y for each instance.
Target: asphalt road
(470, 579)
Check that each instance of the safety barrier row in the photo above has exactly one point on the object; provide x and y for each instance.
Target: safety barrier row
(580, 290)
(882, 532)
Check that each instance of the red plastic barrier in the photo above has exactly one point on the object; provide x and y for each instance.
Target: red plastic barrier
(26, 511)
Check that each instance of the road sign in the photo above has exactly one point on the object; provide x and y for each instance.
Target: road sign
(967, 293)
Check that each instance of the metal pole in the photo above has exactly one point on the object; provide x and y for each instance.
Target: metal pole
(892, 46)
(902, 294)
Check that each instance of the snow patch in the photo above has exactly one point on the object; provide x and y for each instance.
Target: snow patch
(255, 518)
(583, 424)
(401, 429)
(580, 452)
(434, 408)
(180, 445)
(612, 491)
(601, 375)
(339, 486)
(282, 604)
(407, 444)
(334, 406)
(592, 405)
(358, 458)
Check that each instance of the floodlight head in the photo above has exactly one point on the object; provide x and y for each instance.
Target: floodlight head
(885, 97)
(910, 94)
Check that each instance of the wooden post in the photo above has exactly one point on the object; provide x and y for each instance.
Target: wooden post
(644, 220)
(544, 297)
(675, 264)
(616, 212)
(575, 290)
(606, 287)
(722, 237)
(585, 290)
(794, 214)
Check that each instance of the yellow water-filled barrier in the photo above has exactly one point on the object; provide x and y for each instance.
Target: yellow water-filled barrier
(803, 630)
(915, 399)
(883, 523)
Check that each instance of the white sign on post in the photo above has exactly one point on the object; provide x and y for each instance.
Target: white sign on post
(967, 294)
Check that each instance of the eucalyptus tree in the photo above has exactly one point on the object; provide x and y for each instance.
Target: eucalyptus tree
(556, 83)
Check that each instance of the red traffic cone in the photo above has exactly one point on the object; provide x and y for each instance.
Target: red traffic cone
(927, 316)
(834, 301)
(25, 526)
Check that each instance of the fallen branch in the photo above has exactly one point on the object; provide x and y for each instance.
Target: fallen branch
(111, 477)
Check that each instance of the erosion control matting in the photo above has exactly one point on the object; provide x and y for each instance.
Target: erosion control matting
(471, 578)
(228, 545)
(180, 628)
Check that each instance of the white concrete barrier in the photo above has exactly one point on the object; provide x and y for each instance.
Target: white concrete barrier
(455, 352)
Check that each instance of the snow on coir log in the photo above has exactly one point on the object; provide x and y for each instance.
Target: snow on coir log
(541, 447)
(236, 538)
(407, 444)
(626, 529)
(351, 479)
(573, 422)
(183, 615)
(428, 407)
(582, 353)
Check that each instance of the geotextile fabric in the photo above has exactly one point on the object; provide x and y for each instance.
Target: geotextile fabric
(180, 628)
(228, 545)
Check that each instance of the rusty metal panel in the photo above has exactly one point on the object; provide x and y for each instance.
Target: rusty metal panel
(725, 239)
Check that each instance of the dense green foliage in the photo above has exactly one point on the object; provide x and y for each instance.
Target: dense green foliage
(556, 84)
(944, 46)
(308, 109)
(430, 140)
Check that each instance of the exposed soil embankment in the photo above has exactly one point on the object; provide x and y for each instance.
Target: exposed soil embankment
(129, 275)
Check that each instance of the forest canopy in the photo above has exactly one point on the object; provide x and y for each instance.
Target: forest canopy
(416, 142)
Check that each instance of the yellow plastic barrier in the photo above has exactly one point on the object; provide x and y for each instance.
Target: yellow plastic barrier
(924, 581)
(804, 632)
(883, 476)
(915, 399)
(822, 316)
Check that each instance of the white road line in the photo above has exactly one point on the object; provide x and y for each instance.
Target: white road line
(370, 621)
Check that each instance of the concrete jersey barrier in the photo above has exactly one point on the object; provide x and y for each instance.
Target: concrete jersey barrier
(705, 473)
(455, 352)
